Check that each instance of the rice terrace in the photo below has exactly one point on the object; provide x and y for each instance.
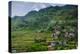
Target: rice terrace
(43, 26)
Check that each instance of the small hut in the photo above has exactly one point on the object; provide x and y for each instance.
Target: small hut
(53, 43)
(62, 43)
(56, 33)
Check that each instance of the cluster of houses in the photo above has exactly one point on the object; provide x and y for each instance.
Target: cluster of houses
(57, 33)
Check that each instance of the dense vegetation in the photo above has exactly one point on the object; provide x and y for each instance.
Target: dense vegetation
(35, 30)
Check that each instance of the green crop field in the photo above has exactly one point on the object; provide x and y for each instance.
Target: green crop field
(23, 40)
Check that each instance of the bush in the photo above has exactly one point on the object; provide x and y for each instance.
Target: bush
(37, 47)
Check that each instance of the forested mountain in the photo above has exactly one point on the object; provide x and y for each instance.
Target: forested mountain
(47, 18)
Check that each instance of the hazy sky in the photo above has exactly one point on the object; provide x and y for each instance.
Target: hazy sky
(22, 8)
